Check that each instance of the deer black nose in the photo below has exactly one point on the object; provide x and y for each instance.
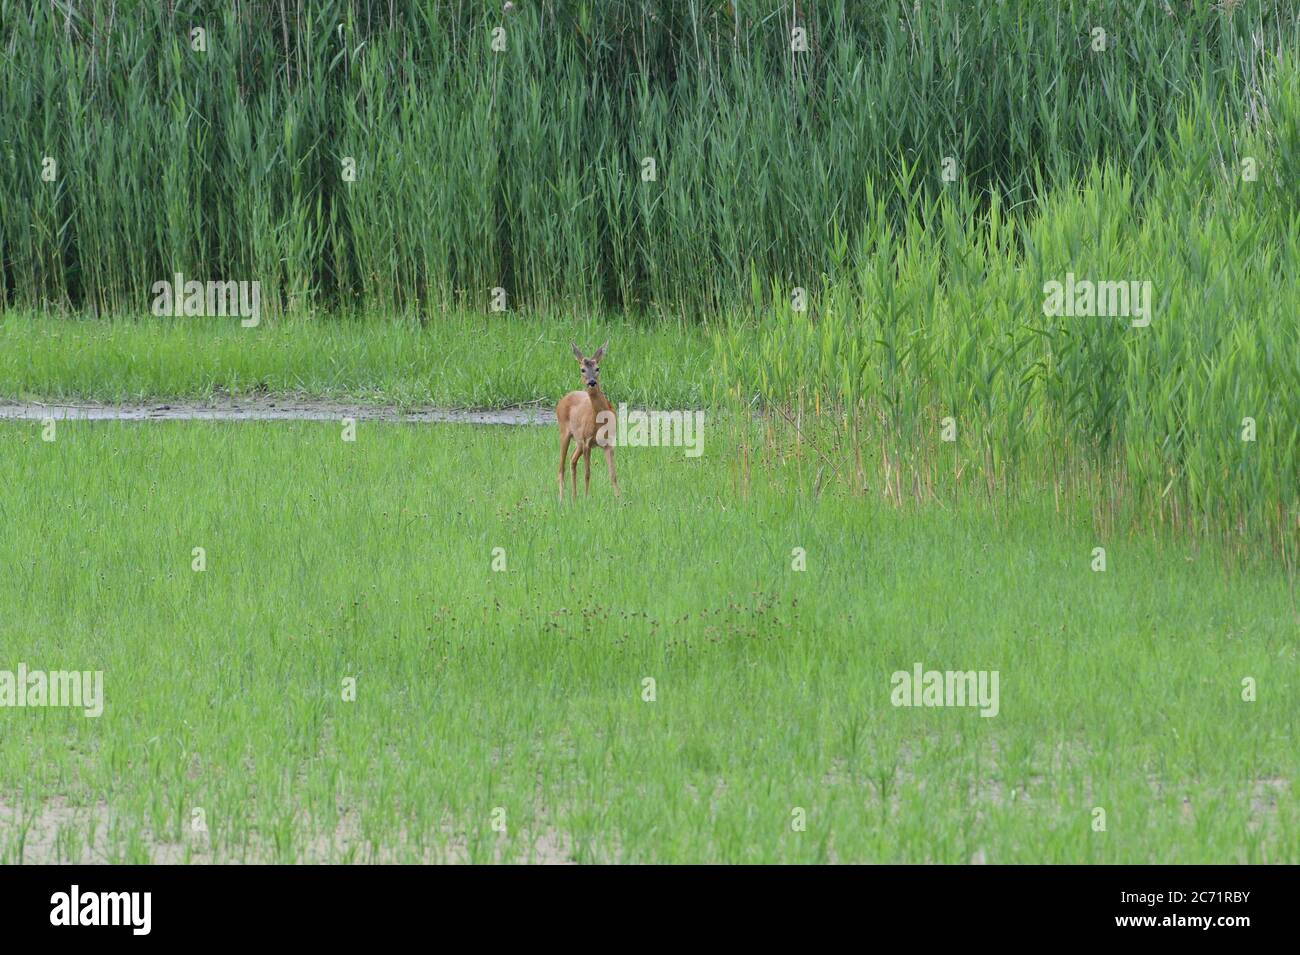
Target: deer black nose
(591, 383)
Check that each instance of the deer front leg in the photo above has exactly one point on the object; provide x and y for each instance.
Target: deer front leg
(564, 454)
(586, 460)
(573, 467)
(609, 461)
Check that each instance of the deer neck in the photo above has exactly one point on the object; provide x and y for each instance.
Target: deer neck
(598, 399)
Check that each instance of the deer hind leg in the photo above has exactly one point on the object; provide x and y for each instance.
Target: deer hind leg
(573, 466)
(609, 461)
(564, 454)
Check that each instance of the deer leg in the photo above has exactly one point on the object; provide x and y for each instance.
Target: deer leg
(586, 460)
(564, 454)
(609, 460)
(573, 467)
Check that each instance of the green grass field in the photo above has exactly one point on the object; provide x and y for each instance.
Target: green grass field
(458, 361)
(521, 689)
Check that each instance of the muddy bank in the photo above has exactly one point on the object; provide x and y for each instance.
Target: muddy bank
(266, 409)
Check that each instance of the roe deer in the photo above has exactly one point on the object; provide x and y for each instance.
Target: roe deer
(587, 417)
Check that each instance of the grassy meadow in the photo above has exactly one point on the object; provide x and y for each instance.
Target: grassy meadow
(460, 361)
(521, 688)
(832, 228)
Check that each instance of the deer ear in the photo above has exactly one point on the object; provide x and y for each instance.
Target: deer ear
(577, 353)
(600, 352)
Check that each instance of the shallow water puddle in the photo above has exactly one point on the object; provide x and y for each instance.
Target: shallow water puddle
(266, 409)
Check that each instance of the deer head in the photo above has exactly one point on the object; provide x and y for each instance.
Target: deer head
(590, 367)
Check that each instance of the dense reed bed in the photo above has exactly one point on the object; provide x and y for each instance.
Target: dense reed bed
(526, 168)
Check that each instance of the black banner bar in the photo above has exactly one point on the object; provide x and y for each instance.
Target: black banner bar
(1223, 905)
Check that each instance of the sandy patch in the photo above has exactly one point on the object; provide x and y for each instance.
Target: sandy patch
(267, 408)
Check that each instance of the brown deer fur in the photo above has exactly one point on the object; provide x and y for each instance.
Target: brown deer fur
(588, 418)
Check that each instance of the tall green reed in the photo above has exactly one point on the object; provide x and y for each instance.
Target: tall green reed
(522, 169)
